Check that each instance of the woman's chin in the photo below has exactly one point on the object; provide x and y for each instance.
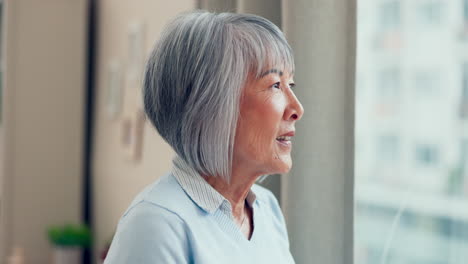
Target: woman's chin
(287, 169)
(284, 166)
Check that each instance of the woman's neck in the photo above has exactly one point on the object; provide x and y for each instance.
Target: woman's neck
(236, 191)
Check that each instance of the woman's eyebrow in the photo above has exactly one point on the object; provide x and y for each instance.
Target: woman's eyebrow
(271, 71)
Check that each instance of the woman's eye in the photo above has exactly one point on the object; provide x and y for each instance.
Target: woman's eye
(292, 85)
(276, 85)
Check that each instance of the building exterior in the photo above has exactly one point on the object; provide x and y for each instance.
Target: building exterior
(411, 132)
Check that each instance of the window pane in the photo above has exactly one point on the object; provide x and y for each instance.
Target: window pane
(412, 132)
(465, 10)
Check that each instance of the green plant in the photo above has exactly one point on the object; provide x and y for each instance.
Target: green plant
(70, 236)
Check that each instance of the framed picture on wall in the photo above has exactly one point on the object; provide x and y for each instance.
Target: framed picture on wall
(132, 135)
(136, 53)
(114, 99)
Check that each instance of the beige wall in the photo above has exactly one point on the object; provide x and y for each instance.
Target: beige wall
(42, 129)
(116, 178)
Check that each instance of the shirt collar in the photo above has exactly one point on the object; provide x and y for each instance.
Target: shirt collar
(203, 194)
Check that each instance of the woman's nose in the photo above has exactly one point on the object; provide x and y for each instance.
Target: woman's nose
(295, 109)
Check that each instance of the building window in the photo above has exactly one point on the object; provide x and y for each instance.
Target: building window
(426, 83)
(465, 81)
(463, 110)
(389, 83)
(388, 148)
(426, 155)
(465, 11)
(463, 151)
(390, 14)
(431, 12)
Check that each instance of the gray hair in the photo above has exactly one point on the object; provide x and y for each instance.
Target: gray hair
(194, 79)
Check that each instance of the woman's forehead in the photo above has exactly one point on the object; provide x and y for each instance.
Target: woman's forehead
(276, 71)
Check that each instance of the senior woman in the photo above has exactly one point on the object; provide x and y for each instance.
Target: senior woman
(218, 89)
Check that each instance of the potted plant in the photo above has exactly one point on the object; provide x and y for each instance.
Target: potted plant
(68, 243)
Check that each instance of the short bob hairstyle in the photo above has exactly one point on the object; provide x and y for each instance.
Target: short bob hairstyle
(194, 79)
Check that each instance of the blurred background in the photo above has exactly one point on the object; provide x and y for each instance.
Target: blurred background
(411, 132)
(75, 147)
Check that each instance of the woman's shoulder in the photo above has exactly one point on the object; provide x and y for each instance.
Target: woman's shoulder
(164, 196)
(149, 232)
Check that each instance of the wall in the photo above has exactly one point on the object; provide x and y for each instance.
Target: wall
(116, 178)
(43, 117)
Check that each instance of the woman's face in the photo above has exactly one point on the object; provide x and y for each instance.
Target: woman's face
(268, 112)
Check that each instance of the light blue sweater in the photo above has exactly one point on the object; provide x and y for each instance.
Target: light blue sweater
(171, 221)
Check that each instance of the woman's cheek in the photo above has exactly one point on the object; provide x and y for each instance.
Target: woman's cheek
(258, 141)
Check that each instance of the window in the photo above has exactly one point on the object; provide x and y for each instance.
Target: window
(387, 148)
(464, 79)
(389, 83)
(390, 14)
(411, 188)
(464, 92)
(426, 155)
(465, 11)
(430, 12)
(426, 83)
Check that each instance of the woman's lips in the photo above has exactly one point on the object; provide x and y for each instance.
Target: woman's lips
(285, 139)
(285, 143)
